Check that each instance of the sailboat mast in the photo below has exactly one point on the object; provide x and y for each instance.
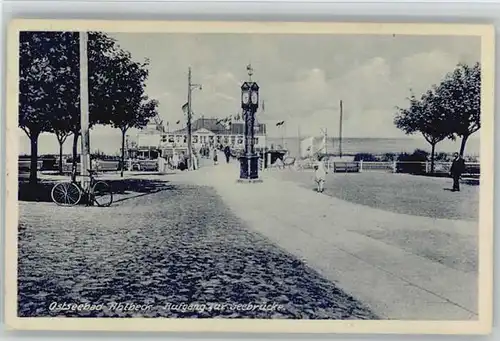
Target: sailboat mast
(326, 141)
(340, 129)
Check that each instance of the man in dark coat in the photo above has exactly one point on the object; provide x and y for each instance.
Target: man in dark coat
(456, 171)
(227, 152)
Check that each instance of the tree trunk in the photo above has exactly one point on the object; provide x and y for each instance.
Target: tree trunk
(123, 152)
(34, 158)
(433, 151)
(462, 145)
(60, 157)
(75, 155)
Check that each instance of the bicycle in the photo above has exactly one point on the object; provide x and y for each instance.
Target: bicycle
(69, 193)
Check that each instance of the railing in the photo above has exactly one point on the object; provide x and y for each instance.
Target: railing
(415, 167)
(102, 166)
(24, 166)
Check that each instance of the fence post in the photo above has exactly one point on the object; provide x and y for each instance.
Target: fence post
(360, 165)
(394, 167)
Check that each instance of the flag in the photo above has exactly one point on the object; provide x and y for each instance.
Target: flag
(185, 108)
(322, 146)
(307, 147)
(280, 123)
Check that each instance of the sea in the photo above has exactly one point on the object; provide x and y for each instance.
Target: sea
(377, 146)
(110, 144)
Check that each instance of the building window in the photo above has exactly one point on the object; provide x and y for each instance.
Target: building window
(233, 139)
(226, 139)
(185, 139)
(211, 138)
(218, 138)
(256, 140)
(195, 139)
(178, 138)
(240, 140)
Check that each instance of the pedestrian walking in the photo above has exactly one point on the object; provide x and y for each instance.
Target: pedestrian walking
(320, 176)
(227, 152)
(456, 171)
(215, 157)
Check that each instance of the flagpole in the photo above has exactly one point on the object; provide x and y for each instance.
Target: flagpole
(282, 136)
(340, 130)
(298, 137)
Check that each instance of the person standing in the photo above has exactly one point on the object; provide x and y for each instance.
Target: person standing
(456, 171)
(175, 160)
(161, 164)
(215, 151)
(320, 176)
(227, 152)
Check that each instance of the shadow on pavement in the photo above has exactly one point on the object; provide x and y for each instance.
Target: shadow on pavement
(41, 191)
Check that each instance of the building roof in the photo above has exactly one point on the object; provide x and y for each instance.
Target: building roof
(211, 124)
(215, 126)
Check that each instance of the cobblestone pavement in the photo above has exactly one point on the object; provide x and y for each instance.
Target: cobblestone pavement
(176, 246)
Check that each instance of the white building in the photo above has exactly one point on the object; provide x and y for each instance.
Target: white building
(205, 133)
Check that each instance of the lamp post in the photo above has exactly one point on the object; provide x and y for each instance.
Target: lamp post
(249, 162)
(189, 118)
(84, 110)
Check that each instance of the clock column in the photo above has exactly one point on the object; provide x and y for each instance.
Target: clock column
(249, 162)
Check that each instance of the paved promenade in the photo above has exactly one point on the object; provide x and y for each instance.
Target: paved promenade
(354, 246)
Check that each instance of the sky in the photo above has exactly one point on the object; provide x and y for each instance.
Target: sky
(302, 78)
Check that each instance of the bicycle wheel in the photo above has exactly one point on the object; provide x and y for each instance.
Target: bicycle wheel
(102, 194)
(66, 194)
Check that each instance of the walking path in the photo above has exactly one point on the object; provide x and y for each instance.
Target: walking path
(335, 238)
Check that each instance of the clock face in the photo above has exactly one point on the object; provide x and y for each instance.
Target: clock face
(245, 97)
(255, 97)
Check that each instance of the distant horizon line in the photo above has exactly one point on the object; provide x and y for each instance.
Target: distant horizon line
(359, 137)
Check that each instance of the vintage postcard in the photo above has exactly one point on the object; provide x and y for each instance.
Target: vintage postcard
(250, 177)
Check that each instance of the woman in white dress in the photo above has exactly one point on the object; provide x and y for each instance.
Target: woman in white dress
(175, 160)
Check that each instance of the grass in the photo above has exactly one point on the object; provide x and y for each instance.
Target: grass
(400, 193)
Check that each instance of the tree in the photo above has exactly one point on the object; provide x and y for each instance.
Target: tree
(460, 93)
(49, 96)
(50, 86)
(134, 117)
(101, 51)
(37, 88)
(61, 134)
(426, 116)
(130, 108)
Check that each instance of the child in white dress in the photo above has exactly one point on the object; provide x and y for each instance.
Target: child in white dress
(320, 176)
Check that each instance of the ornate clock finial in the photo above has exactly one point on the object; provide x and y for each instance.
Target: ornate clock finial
(250, 71)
